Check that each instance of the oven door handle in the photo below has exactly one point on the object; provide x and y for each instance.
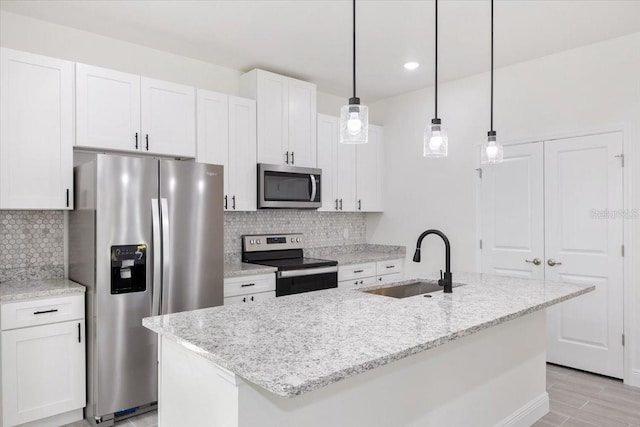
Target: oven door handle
(313, 188)
(306, 272)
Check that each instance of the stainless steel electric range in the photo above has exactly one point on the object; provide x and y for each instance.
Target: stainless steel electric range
(296, 274)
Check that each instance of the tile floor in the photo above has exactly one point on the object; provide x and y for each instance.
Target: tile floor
(578, 399)
(581, 399)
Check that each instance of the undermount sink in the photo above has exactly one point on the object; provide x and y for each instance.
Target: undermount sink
(410, 289)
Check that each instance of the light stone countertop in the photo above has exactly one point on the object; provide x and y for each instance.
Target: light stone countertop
(30, 289)
(358, 254)
(298, 343)
(239, 269)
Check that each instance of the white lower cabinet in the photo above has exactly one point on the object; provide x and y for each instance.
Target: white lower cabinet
(371, 273)
(43, 361)
(247, 289)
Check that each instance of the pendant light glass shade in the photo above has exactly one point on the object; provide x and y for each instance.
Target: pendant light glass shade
(492, 150)
(354, 118)
(354, 124)
(436, 141)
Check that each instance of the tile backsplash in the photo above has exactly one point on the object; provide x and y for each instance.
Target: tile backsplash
(319, 228)
(31, 245)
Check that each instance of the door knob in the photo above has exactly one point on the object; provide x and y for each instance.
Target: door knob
(552, 262)
(535, 261)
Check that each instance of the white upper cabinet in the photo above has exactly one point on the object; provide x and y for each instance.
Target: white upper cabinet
(286, 118)
(302, 123)
(107, 109)
(369, 172)
(168, 118)
(36, 136)
(327, 158)
(346, 177)
(227, 136)
(242, 154)
(117, 111)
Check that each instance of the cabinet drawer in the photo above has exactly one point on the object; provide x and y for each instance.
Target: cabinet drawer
(249, 285)
(357, 283)
(249, 298)
(388, 267)
(389, 278)
(356, 271)
(42, 311)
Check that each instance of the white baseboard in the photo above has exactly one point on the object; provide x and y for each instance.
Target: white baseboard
(635, 378)
(57, 420)
(528, 414)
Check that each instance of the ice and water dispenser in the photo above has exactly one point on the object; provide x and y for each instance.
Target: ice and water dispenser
(128, 268)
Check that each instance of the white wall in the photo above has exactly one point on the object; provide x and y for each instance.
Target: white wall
(593, 87)
(45, 38)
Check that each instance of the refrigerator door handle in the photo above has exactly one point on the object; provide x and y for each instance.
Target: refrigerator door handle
(166, 249)
(157, 256)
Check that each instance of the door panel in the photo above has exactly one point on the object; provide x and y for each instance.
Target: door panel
(192, 250)
(346, 176)
(513, 213)
(107, 109)
(302, 123)
(242, 155)
(273, 118)
(125, 187)
(168, 118)
(327, 160)
(584, 190)
(369, 172)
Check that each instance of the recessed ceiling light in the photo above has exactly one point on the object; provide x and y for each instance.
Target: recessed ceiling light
(411, 66)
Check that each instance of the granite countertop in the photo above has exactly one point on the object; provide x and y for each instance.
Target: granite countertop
(357, 254)
(29, 289)
(295, 344)
(239, 269)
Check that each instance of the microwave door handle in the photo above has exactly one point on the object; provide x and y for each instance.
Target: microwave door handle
(166, 253)
(313, 188)
(157, 256)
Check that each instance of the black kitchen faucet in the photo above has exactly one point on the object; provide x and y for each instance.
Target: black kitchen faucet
(447, 280)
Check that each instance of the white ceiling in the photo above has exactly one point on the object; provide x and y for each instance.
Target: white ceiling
(311, 39)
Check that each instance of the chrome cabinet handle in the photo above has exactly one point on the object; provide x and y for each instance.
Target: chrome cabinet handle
(535, 261)
(286, 157)
(552, 262)
(293, 159)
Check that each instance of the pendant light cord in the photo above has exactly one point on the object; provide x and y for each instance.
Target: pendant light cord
(354, 48)
(436, 64)
(491, 65)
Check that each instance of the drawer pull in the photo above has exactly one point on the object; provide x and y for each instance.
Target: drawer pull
(358, 271)
(391, 266)
(46, 311)
(246, 285)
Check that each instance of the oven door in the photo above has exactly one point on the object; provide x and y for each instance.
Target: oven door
(288, 187)
(306, 280)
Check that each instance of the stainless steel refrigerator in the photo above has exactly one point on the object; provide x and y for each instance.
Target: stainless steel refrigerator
(145, 239)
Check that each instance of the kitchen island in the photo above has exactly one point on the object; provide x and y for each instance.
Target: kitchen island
(475, 357)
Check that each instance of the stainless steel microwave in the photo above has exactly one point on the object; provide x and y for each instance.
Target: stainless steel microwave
(288, 187)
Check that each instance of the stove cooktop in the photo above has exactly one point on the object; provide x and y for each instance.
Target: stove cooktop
(296, 263)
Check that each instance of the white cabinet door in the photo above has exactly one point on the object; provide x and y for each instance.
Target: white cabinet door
(513, 213)
(346, 177)
(327, 160)
(36, 136)
(302, 123)
(242, 155)
(107, 109)
(43, 371)
(273, 117)
(213, 131)
(168, 118)
(584, 237)
(249, 298)
(369, 172)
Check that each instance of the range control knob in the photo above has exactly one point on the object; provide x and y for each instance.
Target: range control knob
(252, 242)
(258, 241)
(293, 240)
(298, 240)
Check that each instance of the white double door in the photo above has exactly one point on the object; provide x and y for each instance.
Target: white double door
(552, 211)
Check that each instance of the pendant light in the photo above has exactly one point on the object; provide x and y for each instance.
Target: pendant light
(491, 151)
(436, 141)
(354, 118)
